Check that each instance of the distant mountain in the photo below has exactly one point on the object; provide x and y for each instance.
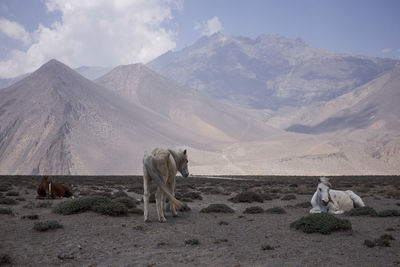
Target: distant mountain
(92, 72)
(57, 122)
(89, 72)
(268, 72)
(373, 105)
(194, 112)
(8, 82)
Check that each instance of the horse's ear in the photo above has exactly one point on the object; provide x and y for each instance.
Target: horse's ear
(184, 152)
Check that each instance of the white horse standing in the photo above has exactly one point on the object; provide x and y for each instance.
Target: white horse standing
(161, 165)
(333, 201)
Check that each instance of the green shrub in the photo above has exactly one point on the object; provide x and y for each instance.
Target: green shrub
(219, 208)
(4, 187)
(192, 195)
(361, 211)
(288, 197)
(79, 205)
(8, 201)
(324, 223)
(110, 208)
(382, 241)
(98, 204)
(253, 210)
(267, 247)
(126, 201)
(276, 210)
(119, 194)
(46, 225)
(31, 217)
(5, 259)
(12, 194)
(5, 211)
(388, 213)
(192, 241)
(248, 197)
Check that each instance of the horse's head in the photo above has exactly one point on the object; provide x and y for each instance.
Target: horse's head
(323, 190)
(45, 182)
(183, 163)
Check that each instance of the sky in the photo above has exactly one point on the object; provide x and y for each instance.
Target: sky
(111, 33)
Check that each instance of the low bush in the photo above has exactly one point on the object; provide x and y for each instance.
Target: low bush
(382, 241)
(8, 201)
(253, 210)
(218, 208)
(126, 201)
(46, 225)
(267, 247)
(12, 194)
(119, 194)
(20, 199)
(361, 211)
(5, 259)
(80, 205)
(388, 213)
(31, 217)
(288, 197)
(323, 223)
(192, 195)
(276, 210)
(5, 211)
(248, 197)
(111, 208)
(4, 187)
(192, 241)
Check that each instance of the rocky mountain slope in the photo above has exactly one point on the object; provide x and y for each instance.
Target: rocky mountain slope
(57, 122)
(267, 72)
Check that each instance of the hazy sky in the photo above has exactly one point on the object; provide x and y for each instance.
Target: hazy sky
(109, 33)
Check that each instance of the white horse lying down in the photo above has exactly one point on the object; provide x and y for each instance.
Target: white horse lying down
(333, 201)
(161, 165)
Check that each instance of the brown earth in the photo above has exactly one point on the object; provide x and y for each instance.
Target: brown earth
(236, 239)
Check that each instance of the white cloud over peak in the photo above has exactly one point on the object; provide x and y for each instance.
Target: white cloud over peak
(14, 30)
(386, 50)
(210, 27)
(101, 32)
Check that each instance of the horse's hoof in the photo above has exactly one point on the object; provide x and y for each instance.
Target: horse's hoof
(162, 220)
(147, 220)
(175, 215)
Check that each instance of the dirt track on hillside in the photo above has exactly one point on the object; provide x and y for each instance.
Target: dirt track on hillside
(237, 239)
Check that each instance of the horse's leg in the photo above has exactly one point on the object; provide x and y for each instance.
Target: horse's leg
(315, 210)
(172, 187)
(159, 205)
(146, 195)
(164, 203)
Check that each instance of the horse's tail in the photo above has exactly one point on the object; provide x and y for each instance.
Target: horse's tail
(357, 201)
(150, 166)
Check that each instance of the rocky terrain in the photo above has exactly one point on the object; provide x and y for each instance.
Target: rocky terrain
(242, 238)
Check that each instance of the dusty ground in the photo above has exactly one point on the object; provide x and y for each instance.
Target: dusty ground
(90, 239)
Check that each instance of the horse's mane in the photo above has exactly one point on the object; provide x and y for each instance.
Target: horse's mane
(325, 181)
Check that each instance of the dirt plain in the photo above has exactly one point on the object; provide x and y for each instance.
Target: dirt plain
(234, 239)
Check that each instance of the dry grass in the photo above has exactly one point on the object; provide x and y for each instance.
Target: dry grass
(248, 197)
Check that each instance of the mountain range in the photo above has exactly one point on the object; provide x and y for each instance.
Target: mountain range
(268, 105)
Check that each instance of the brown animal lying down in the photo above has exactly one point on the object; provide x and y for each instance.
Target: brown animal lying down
(53, 189)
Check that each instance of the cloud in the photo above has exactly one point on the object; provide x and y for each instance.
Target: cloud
(210, 27)
(101, 32)
(14, 30)
(386, 50)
